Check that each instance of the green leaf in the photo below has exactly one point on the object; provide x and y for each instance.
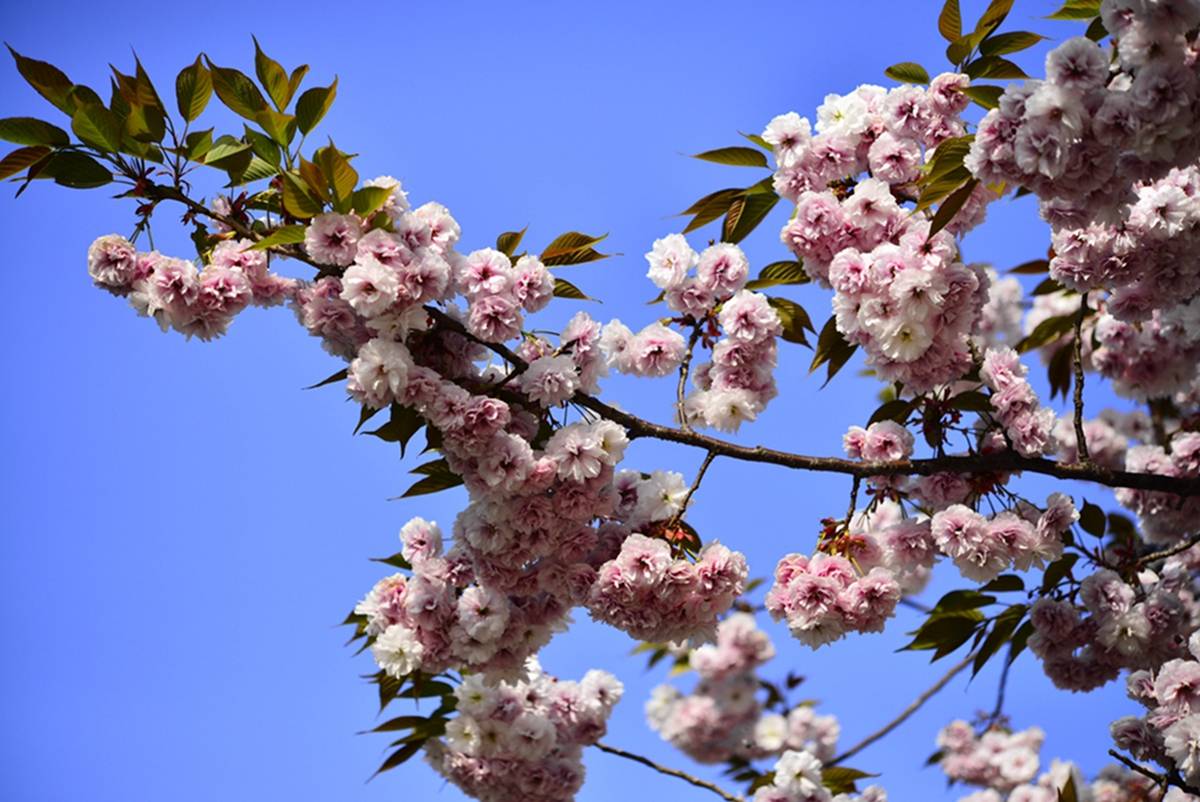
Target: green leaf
(569, 243)
(400, 428)
(21, 158)
(1013, 42)
(1096, 30)
(285, 235)
(32, 131)
(397, 560)
(49, 81)
(296, 77)
(945, 633)
(908, 72)
(897, 410)
(758, 140)
(438, 477)
(1059, 370)
(1092, 519)
(237, 91)
(1047, 331)
(281, 127)
(193, 89)
(984, 95)
(368, 200)
(565, 289)
(993, 67)
(832, 350)
(1033, 267)
(710, 207)
(734, 156)
(76, 170)
(227, 152)
(991, 18)
(1057, 571)
(1002, 629)
(508, 242)
(1068, 793)
(794, 319)
(400, 723)
(341, 374)
(951, 206)
(778, 273)
(971, 401)
(98, 127)
(197, 144)
(398, 757)
(272, 76)
(957, 601)
(263, 146)
(950, 21)
(313, 104)
(1077, 10)
(841, 779)
(1005, 583)
(298, 201)
(745, 214)
(341, 177)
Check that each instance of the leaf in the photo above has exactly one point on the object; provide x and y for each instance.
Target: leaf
(284, 235)
(841, 779)
(21, 158)
(993, 67)
(734, 156)
(1068, 793)
(297, 200)
(758, 140)
(908, 72)
(49, 81)
(342, 374)
(1002, 629)
(98, 127)
(745, 214)
(832, 348)
(313, 104)
(508, 242)
(228, 153)
(950, 21)
(341, 177)
(957, 601)
(710, 207)
(438, 477)
(943, 634)
(1005, 583)
(1092, 519)
(1047, 331)
(778, 273)
(1057, 571)
(32, 131)
(569, 243)
(75, 170)
(1059, 369)
(794, 319)
(399, 756)
(272, 76)
(1096, 30)
(397, 560)
(984, 95)
(971, 401)
(991, 18)
(1033, 267)
(237, 91)
(1012, 42)
(193, 89)
(367, 200)
(895, 410)
(281, 127)
(400, 428)
(264, 147)
(565, 289)
(1077, 10)
(951, 206)
(400, 723)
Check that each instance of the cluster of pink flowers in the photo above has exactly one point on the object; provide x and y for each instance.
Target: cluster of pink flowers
(522, 741)
(796, 777)
(983, 548)
(995, 759)
(1112, 784)
(882, 537)
(722, 717)
(1119, 626)
(1106, 445)
(739, 381)
(823, 597)
(1165, 518)
(199, 303)
(1029, 427)
(1169, 732)
(1155, 358)
(653, 596)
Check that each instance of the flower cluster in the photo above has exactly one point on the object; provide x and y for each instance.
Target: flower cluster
(823, 597)
(983, 548)
(1165, 518)
(1112, 784)
(739, 382)
(722, 717)
(797, 778)
(995, 759)
(523, 741)
(194, 302)
(1029, 427)
(1119, 626)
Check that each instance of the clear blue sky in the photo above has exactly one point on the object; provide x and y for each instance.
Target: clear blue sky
(183, 526)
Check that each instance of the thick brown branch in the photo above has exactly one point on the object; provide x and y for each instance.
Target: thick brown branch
(1000, 462)
(645, 761)
(906, 712)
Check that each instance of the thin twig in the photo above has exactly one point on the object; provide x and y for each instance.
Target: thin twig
(645, 761)
(1081, 449)
(906, 712)
(998, 710)
(708, 458)
(1171, 552)
(916, 605)
(998, 462)
(853, 500)
(684, 368)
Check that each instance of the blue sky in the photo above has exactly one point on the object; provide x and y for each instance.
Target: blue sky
(184, 526)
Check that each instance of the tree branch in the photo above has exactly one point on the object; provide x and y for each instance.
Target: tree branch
(1168, 552)
(696, 781)
(681, 389)
(1081, 448)
(1000, 462)
(906, 712)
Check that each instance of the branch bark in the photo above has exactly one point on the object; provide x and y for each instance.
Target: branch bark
(670, 772)
(1000, 462)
